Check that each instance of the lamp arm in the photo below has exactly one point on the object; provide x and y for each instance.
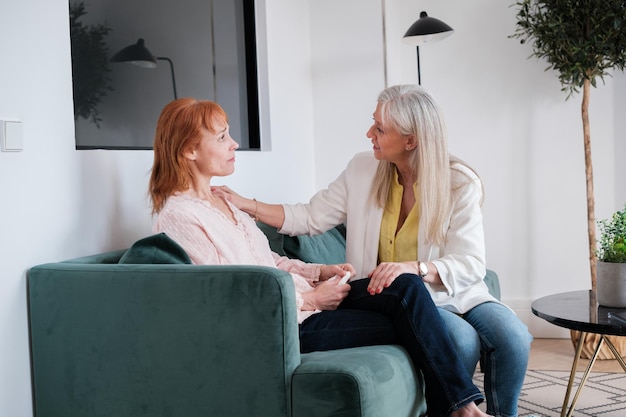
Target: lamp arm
(172, 70)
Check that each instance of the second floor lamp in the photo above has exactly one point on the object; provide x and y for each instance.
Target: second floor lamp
(425, 30)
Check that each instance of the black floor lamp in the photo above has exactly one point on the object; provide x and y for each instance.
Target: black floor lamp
(425, 30)
(139, 55)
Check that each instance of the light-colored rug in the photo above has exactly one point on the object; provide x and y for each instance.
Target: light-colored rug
(604, 394)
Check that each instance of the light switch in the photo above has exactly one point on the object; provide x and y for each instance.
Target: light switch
(11, 138)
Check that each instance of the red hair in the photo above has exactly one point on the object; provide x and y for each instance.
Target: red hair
(179, 129)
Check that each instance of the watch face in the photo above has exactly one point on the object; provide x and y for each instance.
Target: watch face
(423, 269)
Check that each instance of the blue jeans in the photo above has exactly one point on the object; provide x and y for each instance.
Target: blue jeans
(494, 329)
(403, 314)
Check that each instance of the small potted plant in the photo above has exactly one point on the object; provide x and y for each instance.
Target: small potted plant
(611, 268)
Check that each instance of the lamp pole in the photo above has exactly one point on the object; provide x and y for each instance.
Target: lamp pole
(419, 75)
(172, 70)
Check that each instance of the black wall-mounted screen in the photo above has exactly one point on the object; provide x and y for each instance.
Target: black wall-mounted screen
(211, 45)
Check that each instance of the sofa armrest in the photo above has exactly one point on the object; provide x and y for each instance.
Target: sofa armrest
(161, 340)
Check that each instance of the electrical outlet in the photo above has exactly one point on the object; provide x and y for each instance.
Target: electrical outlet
(11, 138)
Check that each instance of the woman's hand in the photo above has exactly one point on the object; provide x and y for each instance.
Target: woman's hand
(329, 271)
(238, 201)
(386, 272)
(270, 214)
(327, 295)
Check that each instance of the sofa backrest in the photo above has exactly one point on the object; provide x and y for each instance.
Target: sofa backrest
(327, 248)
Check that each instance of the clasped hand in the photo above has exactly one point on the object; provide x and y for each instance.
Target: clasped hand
(328, 292)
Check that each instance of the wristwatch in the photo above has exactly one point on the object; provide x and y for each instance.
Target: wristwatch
(422, 268)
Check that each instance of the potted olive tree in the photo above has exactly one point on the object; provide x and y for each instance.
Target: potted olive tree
(612, 260)
(582, 41)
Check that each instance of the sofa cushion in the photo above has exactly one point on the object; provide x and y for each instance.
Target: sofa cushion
(155, 249)
(275, 239)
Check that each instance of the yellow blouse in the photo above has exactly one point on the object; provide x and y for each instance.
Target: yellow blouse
(402, 246)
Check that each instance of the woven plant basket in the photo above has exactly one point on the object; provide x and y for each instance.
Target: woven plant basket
(591, 341)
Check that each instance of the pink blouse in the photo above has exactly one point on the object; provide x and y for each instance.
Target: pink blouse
(211, 238)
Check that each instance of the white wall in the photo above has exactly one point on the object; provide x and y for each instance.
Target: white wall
(506, 116)
(348, 74)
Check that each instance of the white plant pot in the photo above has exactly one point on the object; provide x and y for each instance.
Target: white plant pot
(611, 284)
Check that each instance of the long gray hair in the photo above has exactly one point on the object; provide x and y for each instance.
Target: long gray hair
(411, 110)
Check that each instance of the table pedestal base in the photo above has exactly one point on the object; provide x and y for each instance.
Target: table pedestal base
(570, 384)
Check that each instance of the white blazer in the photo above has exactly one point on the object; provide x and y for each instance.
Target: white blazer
(347, 200)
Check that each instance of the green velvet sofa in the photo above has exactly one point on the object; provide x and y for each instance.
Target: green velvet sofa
(142, 332)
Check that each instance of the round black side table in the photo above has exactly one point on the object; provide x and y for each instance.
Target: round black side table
(578, 310)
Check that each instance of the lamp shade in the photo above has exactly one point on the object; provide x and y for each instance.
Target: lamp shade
(426, 29)
(137, 54)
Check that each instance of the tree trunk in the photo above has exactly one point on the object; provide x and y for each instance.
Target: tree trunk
(591, 216)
